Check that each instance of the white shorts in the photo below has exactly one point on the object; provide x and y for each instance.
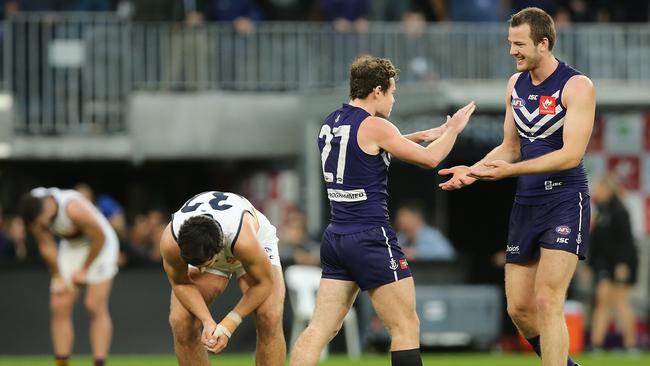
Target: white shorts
(73, 253)
(268, 238)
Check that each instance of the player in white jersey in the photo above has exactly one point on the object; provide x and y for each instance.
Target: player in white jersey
(86, 255)
(213, 236)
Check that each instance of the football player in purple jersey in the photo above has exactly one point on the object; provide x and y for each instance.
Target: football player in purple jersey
(359, 249)
(550, 109)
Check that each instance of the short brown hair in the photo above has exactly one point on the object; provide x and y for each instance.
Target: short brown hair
(368, 72)
(541, 24)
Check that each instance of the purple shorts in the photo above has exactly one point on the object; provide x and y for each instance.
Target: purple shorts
(562, 223)
(370, 258)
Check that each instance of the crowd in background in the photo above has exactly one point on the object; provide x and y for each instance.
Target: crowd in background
(345, 15)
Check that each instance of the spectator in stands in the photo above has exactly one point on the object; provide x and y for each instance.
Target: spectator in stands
(468, 10)
(152, 10)
(189, 49)
(613, 259)
(392, 11)
(58, 5)
(581, 11)
(85, 5)
(8, 8)
(624, 11)
(295, 244)
(418, 239)
(6, 245)
(550, 6)
(242, 13)
(13, 239)
(144, 237)
(298, 10)
(346, 15)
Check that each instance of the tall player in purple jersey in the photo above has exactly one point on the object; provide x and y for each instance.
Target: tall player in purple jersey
(359, 249)
(550, 110)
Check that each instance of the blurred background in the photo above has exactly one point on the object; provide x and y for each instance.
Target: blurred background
(141, 104)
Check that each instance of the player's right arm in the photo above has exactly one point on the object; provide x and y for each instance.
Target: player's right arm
(509, 150)
(377, 134)
(182, 286)
(48, 251)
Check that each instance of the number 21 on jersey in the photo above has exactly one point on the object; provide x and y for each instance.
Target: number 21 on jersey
(329, 134)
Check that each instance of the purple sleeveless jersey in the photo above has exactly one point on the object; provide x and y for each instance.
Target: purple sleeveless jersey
(356, 182)
(539, 116)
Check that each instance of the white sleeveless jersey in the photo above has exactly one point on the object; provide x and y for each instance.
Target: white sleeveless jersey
(228, 210)
(62, 225)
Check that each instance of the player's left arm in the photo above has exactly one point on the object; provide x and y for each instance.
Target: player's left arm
(429, 135)
(579, 98)
(84, 219)
(257, 265)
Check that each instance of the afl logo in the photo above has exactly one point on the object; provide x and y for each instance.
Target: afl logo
(563, 230)
(517, 103)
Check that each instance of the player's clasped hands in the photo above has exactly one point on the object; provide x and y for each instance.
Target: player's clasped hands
(463, 175)
(213, 338)
(492, 170)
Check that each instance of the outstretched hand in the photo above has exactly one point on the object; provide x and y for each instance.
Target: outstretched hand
(458, 180)
(459, 120)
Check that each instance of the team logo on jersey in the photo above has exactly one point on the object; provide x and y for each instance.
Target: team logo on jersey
(403, 264)
(546, 105)
(563, 230)
(393, 264)
(533, 97)
(517, 103)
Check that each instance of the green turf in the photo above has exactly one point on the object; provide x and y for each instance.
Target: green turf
(381, 360)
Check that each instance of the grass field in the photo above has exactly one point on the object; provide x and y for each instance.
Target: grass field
(384, 360)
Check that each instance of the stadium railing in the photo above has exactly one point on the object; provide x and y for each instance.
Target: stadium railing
(73, 72)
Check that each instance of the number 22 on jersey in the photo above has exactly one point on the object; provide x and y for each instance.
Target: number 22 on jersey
(329, 134)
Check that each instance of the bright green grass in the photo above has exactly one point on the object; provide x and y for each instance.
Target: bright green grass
(382, 360)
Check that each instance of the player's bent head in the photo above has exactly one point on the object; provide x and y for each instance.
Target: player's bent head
(540, 22)
(29, 208)
(200, 239)
(367, 72)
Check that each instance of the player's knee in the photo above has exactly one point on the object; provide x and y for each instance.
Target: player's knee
(59, 306)
(405, 326)
(518, 311)
(184, 328)
(95, 307)
(547, 302)
(269, 319)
